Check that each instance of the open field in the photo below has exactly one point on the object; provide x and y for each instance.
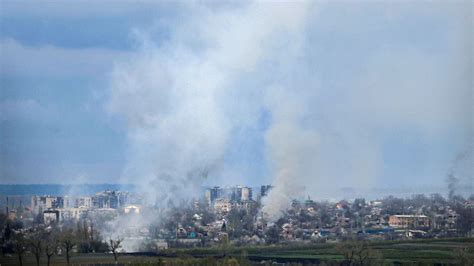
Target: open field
(432, 251)
(416, 252)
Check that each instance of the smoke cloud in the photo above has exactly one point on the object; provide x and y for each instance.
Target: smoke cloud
(178, 97)
(186, 95)
(461, 169)
(291, 152)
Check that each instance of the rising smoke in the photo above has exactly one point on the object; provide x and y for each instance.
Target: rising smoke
(461, 169)
(291, 151)
(184, 95)
(178, 97)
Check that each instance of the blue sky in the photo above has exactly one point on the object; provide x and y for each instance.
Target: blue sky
(390, 82)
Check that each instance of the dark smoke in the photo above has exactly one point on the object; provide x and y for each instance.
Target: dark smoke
(452, 178)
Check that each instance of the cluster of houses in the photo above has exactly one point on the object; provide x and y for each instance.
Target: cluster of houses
(305, 221)
(312, 221)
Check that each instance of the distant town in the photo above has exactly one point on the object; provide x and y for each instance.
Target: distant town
(231, 214)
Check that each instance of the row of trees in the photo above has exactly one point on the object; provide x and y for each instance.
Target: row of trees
(52, 241)
(43, 243)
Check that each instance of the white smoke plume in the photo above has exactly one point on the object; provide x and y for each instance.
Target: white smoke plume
(291, 151)
(178, 97)
(184, 96)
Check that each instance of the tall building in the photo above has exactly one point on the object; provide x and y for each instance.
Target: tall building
(246, 194)
(110, 199)
(235, 193)
(212, 194)
(83, 202)
(67, 202)
(41, 203)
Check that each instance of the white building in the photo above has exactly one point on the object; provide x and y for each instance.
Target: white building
(84, 202)
(72, 213)
(246, 194)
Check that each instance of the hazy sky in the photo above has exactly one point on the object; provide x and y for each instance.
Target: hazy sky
(385, 88)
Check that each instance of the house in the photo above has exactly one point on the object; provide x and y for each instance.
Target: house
(321, 234)
(131, 209)
(287, 231)
(378, 231)
(181, 233)
(409, 221)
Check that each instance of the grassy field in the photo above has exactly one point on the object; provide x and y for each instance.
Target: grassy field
(432, 251)
(416, 252)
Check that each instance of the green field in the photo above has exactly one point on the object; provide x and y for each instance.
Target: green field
(416, 252)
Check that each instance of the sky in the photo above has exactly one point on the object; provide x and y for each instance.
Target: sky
(341, 94)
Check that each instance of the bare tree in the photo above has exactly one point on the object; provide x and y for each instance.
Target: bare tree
(114, 245)
(19, 246)
(36, 246)
(462, 256)
(363, 253)
(51, 246)
(348, 251)
(67, 242)
(358, 253)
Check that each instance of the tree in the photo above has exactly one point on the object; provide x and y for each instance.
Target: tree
(36, 246)
(358, 204)
(248, 222)
(19, 246)
(39, 218)
(363, 253)
(462, 256)
(224, 243)
(51, 246)
(348, 251)
(8, 231)
(66, 241)
(392, 205)
(114, 245)
(234, 224)
(207, 217)
(273, 234)
(358, 253)
(325, 217)
(465, 221)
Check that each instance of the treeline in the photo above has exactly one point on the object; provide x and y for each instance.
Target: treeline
(54, 240)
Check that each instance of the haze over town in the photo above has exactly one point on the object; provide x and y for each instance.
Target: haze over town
(153, 125)
(374, 95)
